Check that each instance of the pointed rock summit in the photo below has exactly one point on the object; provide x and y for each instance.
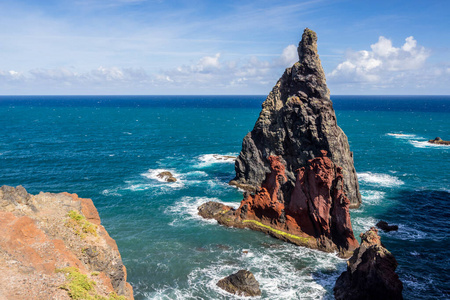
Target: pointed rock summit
(295, 165)
(296, 123)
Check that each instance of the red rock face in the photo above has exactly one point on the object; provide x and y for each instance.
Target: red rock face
(266, 204)
(318, 206)
(37, 239)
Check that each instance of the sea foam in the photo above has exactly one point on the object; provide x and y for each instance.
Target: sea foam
(186, 209)
(209, 159)
(379, 179)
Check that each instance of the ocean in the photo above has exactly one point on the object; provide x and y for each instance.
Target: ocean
(110, 149)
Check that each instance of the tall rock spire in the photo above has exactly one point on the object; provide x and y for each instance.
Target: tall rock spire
(296, 165)
(296, 123)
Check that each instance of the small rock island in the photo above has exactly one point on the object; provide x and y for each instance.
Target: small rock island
(439, 141)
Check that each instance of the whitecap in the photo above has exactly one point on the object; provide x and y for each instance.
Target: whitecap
(128, 133)
(113, 192)
(379, 179)
(362, 224)
(285, 272)
(196, 174)
(425, 144)
(402, 135)
(153, 174)
(408, 233)
(372, 197)
(209, 159)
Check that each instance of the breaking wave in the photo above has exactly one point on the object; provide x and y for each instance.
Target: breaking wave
(209, 159)
(379, 179)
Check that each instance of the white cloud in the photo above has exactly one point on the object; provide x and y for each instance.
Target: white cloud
(289, 56)
(208, 63)
(385, 63)
(216, 74)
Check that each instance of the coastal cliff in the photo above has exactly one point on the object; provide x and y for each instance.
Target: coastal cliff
(295, 165)
(296, 122)
(53, 246)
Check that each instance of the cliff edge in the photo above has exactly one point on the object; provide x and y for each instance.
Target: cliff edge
(53, 246)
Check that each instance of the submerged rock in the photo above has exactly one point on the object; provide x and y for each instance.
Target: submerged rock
(383, 225)
(48, 239)
(439, 141)
(167, 176)
(296, 123)
(242, 283)
(370, 272)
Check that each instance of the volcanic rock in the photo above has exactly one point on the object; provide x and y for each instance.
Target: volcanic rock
(296, 165)
(167, 176)
(383, 225)
(370, 272)
(317, 215)
(242, 283)
(47, 238)
(439, 141)
(296, 122)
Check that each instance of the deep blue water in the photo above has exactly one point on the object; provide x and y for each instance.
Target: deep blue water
(109, 148)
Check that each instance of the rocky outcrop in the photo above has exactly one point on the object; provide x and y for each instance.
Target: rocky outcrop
(316, 215)
(439, 141)
(296, 123)
(295, 165)
(53, 246)
(370, 272)
(167, 176)
(383, 225)
(242, 283)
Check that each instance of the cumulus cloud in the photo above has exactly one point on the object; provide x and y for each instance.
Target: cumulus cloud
(383, 63)
(62, 80)
(214, 72)
(209, 74)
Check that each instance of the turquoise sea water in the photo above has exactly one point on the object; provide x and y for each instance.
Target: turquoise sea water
(111, 148)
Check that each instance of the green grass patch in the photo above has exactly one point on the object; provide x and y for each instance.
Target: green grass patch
(80, 287)
(303, 239)
(80, 225)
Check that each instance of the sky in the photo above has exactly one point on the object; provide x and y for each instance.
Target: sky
(200, 47)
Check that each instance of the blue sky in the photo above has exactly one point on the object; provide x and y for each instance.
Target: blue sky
(220, 47)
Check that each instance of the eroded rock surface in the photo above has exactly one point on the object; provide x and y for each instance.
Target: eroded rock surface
(296, 122)
(370, 272)
(45, 237)
(242, 283)
(316, 215)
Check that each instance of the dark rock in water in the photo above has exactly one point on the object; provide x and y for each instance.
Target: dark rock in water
(297, 164)
(167, 176)
(214, 210)
(439, 141)
(296, 122)
(370, 272)
(383, 225)
(242, 283)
